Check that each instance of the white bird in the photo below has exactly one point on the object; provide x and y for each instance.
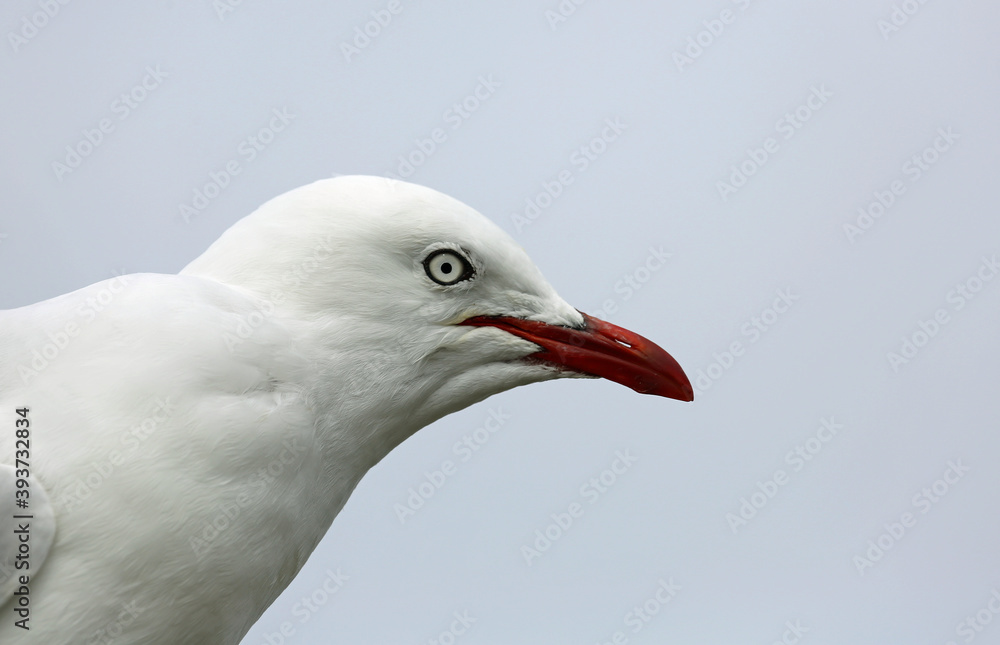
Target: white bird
(186, 440)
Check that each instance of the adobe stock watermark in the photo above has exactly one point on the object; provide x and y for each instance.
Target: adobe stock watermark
(923, 501)
(796, 459)
(461, 623)
(753, 330)
(899, 17)
(975, 624)
(228, 512)
(787, 127)
(248, 324)
(32, 24)
(465, 448)
(561, 12)
(223, 8)
(307, 606)
(913, 170)
(248, 150)
(454, 116)
(633, 281)
(108, 634)
(122, 107)
(591, 491)
(86, 312)
(636, 618)
(365, 35)
(698, 44)
(959, 297)
(98, 472)
(794, 631)
(580, 160)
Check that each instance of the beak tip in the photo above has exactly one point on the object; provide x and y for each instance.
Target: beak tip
(601, 349)
(679, 392)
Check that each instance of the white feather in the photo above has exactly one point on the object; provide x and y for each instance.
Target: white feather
(197, 434)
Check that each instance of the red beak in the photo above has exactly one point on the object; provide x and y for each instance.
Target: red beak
(600, 349)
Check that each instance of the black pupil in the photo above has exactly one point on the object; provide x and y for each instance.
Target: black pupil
(446, 268)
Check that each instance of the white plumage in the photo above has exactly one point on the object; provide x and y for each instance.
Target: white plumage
(194, 435)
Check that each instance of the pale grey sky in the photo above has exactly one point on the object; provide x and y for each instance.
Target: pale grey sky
(784, 195)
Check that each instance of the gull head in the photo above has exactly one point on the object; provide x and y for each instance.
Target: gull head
(314, 336)
(423, 303)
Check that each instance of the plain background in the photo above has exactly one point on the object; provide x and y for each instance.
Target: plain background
(889, 88)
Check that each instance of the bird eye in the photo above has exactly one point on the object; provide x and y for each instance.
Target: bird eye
(447, 267)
